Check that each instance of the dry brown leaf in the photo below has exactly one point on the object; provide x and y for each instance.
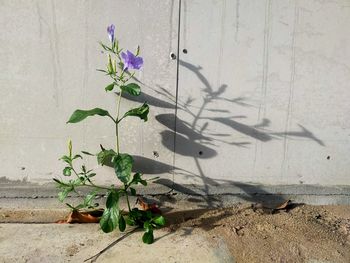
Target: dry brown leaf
(284, 205)
(146, 206)
(82, 217)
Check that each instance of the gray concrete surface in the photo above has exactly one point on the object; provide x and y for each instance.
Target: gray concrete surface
(263, 89)
(177, 197)
(48, 60)
(263, 92)
(75, 243)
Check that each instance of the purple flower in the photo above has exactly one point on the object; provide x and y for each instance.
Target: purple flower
(110, 31)
(131, 61)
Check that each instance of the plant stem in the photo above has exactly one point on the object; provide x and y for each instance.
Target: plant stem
(127, 200)
(97, 186)
(116, 123)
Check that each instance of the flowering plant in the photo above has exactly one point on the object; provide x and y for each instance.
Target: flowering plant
(118, 69)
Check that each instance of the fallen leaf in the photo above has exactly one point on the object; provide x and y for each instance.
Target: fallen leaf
(146, 206)
(82, 217)
(284, 205)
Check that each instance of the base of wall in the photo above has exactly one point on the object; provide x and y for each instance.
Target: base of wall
(175, 196)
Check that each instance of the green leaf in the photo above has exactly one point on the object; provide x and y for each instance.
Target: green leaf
(137, 179)
(87, 153)
(106, 157)
(105, 47)
(133, 191)
(80, 206)
(122, 224)
(148, 237)
(122, 167)
(77, 156)
(137, 51)
(80, 115)
(130, 221)
(146, 226)
(71, 207)
(90, 175)
(159, 220)
(121, 65)
(60, 184)
(64, 193)
(66, 159)
(110, 217)
(135, 213)
(149, 214)
(70, 148)
(102, 70)
(67, 171)
(140, 112)
(90, 197)
(109, 87)
(77, 182)
(112, 199)
(132, 89)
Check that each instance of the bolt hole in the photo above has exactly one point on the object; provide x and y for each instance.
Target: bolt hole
(184, 51)
(200, 152)
(172, 56)
(328, 157)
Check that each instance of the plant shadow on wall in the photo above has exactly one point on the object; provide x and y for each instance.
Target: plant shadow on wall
(196, 141)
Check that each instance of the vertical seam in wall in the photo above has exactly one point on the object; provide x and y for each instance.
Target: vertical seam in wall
(284, 166)
(177, 87)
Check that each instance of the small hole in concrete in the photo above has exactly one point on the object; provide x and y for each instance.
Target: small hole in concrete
(200, 152)
(328, 157)
(172, 56)
(184, 51)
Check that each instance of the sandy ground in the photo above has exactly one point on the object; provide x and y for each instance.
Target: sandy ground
(255, 234)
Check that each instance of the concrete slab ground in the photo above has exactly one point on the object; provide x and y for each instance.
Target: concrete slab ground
(75, 243)
(28, 232)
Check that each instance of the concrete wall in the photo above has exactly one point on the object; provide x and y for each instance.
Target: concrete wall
(264, 91)
(48, 61)
(263, 88)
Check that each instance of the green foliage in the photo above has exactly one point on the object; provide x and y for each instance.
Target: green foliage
(67, 171)
(159, 221)
(106, 157)
(110, 87)
(138, 180)
(110, 217)
(80, 115)
(122, 167)
(148, 237)
(122, 163)
(122, 224)
(132, 89)
(140, 112)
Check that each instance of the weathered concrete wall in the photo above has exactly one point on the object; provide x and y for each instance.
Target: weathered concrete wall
(264, 92)
(48, 60)
(262, 97)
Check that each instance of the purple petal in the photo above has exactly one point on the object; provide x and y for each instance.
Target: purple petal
(131, 61)
(124, 56)
(110, 31)
(138, 63)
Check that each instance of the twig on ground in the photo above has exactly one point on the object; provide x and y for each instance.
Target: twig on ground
(95, 257)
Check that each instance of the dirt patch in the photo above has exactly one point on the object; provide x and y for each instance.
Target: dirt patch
(255, 234)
